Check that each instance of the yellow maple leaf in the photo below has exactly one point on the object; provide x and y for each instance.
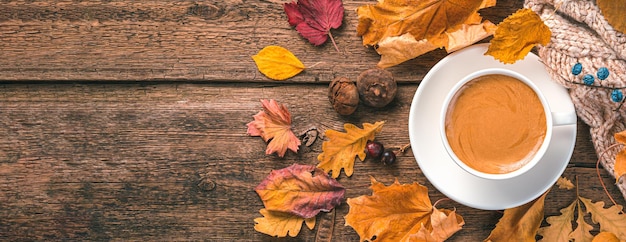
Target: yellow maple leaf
(422, 19)
(277, 63)
(340, 150)
(517, 35)
(614, 12)
(280, 224)
(620, 158)
(398, 213)
(520, 223)
(611, 219)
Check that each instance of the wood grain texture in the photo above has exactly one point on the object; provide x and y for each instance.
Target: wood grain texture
(113, 40)
(172, 161)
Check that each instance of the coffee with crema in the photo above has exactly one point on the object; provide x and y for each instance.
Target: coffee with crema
(495, 124)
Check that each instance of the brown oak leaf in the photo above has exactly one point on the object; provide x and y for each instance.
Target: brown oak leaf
(560, 226)
(564, 183)
(400, 212)
(301, 190)
(611, 219)
(273, 124)
(280, 224)
(340, 150)
(520, 223)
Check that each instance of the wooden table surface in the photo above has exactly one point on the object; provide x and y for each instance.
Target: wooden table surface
(126, 120)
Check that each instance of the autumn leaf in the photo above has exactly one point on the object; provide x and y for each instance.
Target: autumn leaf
(406, 44)
(519, 223)
(273, 124)
(399, 211)
(611, 219)
(422, 19)
(582, 233)
(560, 226)
(564, 183)
(614, 12)
(313, 19)
(277, 63)
(280, 224)
(301, 190)
(620, 158)
(605, 237)
(517, 35)
(340, 150)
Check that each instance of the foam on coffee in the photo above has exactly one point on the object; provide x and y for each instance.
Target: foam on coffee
(495, 124)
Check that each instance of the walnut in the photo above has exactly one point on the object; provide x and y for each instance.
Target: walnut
(343, 95)
(377, 87)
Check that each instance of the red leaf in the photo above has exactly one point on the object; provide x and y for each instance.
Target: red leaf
(274, 123)
(302, 190)
(313, 19)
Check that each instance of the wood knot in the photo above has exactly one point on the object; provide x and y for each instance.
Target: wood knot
(205, 11)
(206, 184)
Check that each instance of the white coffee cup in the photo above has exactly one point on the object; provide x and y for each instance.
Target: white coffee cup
(552, 119)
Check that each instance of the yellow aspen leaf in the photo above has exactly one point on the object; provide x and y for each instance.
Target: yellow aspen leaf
(614, 12)
(605, 237)
(277, 63)
(611, 219)
(340, 150)
(582, 232)
(620, 158)
(560, 226)
(280, 224)
(520, 223)
(273, 124)
(517, 35)
(564, 183)
(302, 190)
(398, 213)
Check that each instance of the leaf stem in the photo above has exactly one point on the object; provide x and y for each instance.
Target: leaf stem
(598, 171)
(333, 40)
(405, 147)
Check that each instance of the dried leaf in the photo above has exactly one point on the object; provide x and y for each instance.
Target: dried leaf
(277, 63)
(398, 211)
(614, 12)
(517, 35)
(443, 226)
(564, 183)
(340, 151)
(520, 223)
(313, 19)
(605, 237)
(620, 158)
(301, 190)
(560, 226)
(274, 123)
(611, 219)
(582, 233)
(422, 19)
(280, 224)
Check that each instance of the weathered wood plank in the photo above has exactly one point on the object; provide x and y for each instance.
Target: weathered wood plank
(173, 162)
(178, 40)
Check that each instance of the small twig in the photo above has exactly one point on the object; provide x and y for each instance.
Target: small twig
(405, 147)
(316, 63)
(598, 171)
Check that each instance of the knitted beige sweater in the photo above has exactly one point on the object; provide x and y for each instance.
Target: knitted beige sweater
(580, 34)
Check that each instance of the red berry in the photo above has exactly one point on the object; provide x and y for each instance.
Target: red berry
(374, 149)
(388, 157)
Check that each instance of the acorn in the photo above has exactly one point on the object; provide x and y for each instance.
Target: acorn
(343, 95)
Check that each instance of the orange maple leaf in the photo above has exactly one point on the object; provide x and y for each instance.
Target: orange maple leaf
(302, 190)
(340, 151)
(274, 123)
(400, 212)
(517, 35)
(620, 158)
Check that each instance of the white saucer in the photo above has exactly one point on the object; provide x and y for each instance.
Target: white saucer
(445, 174)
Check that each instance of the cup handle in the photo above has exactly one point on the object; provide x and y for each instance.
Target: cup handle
(565, 118)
